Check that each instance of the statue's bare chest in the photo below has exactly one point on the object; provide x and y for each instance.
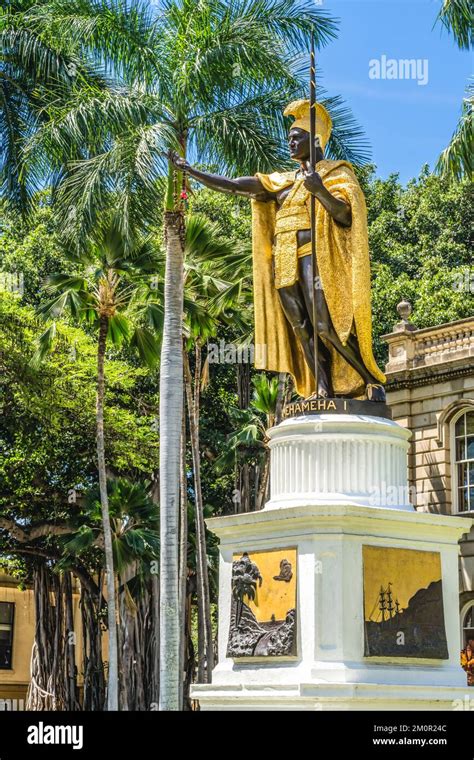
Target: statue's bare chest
(283, 194)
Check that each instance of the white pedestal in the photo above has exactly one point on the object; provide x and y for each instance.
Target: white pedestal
(339, 459)
(317, 506)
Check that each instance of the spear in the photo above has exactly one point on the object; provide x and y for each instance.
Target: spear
(312, 160)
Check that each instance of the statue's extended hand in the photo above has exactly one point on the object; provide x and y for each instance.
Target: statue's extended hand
(177, 161)
(313, 181)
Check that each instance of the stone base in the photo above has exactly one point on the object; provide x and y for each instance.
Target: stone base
(331, 669)
(333, 697)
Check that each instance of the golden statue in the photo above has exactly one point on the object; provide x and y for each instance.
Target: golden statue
(282, 266)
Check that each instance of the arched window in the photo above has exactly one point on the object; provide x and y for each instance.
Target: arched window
(6, 634)
(463, 464)
(467, 624)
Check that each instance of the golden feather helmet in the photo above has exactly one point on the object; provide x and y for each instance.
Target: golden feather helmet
(300, 110)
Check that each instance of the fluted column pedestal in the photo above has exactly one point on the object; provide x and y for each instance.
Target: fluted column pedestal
(339, 459)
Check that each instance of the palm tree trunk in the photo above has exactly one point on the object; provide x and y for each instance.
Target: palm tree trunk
(280, 397)
(204, 606)
(242, 466)
(171, 412)
(201, 655)
(183, 556)
(263, 485)
(73, 700)
(201, 524)
(112, 689)
(154, 691)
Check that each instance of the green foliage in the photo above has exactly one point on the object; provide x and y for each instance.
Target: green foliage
(59, 62)
(134, 522)
(31, 250)
(95, 92)
(48, 420)
(265, 394)
(421, 249)
(232, 213)
(109, 279)
(250, 425)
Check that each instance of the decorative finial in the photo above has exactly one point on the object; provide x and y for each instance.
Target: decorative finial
(404, 309)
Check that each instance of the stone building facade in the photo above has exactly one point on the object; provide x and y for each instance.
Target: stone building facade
(17, 631)
(430, 389)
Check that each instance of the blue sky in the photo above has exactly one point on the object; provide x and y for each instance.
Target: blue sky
(407, 124)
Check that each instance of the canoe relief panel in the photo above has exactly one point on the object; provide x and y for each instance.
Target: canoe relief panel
(263, 607)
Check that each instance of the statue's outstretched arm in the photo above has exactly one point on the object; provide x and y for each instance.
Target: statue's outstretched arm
(250, 187)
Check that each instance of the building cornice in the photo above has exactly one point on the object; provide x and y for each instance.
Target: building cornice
(417, 357)
(415, 378)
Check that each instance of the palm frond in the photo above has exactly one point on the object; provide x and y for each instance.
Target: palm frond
(288, 20)
(348, 141)
(81, 541)
(456, 17)
(455, 162)
(14, 118)
(265, 393)
(44, 345)
(245, 136)
(147, 346)
(118, 329)
(120, 34)
(203, 240)
(128, 171)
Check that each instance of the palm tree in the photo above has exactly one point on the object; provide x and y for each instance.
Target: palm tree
(250, 426)
(209, 301)
(135, 539)
(456, 160)
(102, 294)
(32, 73)
(60, 64)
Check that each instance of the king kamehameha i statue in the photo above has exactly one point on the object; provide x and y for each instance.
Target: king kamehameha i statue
(283, 266)
(291, 636)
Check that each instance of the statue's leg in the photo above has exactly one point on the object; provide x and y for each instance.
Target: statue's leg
(294, 306)
(350, 352)
(324, 356)
(377, 390)
(295, 311)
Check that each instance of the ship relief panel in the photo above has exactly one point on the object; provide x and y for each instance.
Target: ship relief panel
(403, 603)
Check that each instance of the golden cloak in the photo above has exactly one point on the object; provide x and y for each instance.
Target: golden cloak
(344, 269)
